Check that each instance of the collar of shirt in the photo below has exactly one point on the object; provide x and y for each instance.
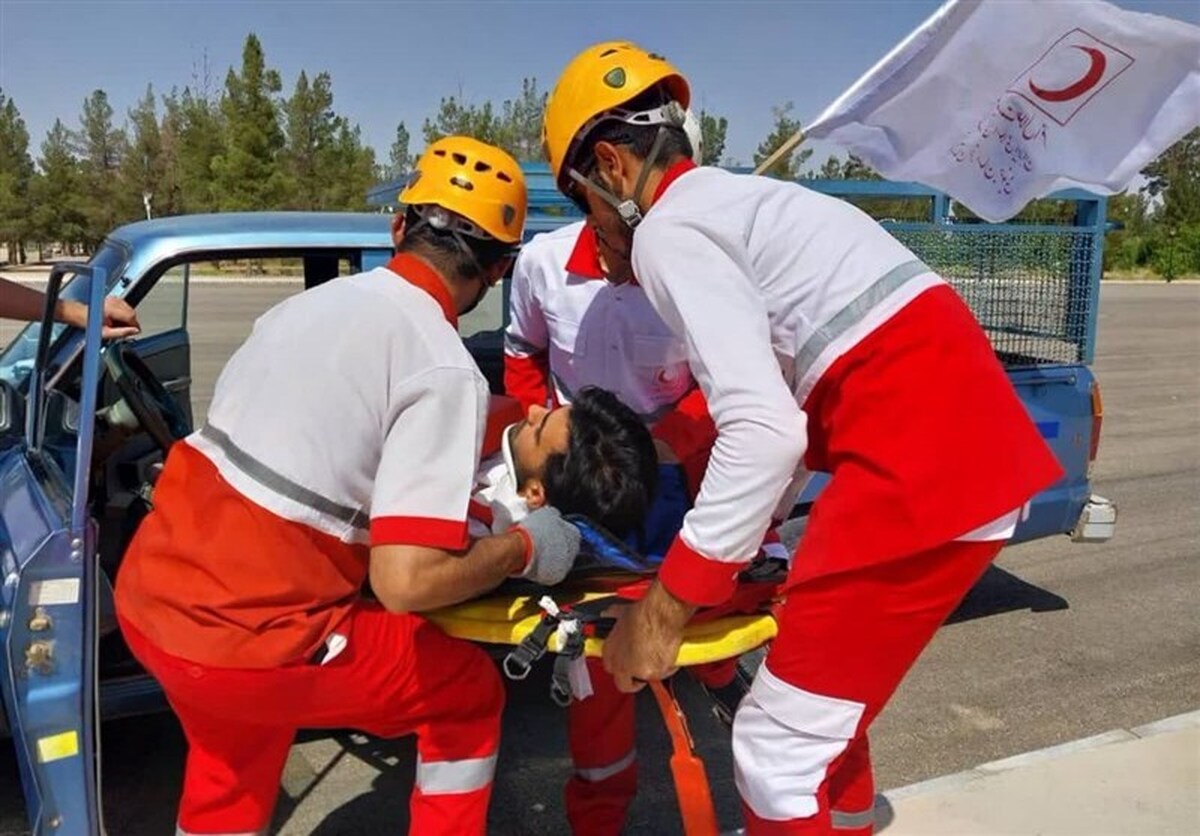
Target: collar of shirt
(585, 257)
(497, 491)
(506, 451)
(418, 273)
(670, 176)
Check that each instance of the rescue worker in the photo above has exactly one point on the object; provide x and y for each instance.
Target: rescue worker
(26, 304)
(818, 340)
(341, 446)
(578, 317)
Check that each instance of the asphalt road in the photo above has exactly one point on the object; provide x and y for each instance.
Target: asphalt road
(1058, 642)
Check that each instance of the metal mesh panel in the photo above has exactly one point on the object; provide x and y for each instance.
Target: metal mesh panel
(1029, 288)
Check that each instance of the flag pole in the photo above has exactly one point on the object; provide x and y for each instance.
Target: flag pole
(779, 153)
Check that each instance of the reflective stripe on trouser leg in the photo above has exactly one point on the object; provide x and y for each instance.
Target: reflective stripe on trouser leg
(601, 733)
(595, 774)
(784, 739)
(457, 742)
(852, 791)
(451, 796)
(862, 821)
(440, 777)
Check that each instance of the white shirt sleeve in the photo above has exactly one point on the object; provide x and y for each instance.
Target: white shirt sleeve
(702, 287)
(430, 455)
(527, 333)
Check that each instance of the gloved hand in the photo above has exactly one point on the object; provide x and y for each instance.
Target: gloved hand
(552, 543)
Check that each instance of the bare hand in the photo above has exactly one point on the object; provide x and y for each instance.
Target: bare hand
(120, 319)
(644, 643)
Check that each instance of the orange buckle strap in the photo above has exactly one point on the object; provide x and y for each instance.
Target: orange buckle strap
(691, 782)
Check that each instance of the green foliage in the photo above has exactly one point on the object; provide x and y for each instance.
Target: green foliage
(143, 169)
(16, 177)
(400, 158)
(516, 126)
(521, 123)
(57, 213)
(100, 148)
(789, 166)
(712, 133)
(247, 174)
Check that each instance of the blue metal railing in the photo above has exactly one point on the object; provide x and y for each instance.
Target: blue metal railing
(1032, 282)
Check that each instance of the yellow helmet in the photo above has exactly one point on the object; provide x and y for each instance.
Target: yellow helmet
(599, 79)
(477, 181)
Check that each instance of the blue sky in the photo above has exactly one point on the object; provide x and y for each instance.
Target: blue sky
(393, 61)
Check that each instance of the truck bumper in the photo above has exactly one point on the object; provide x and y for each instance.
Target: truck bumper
(1097, 523)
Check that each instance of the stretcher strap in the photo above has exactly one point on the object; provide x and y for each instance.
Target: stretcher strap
(691, 782)
(520, 659)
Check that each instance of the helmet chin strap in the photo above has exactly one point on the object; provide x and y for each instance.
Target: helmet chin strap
(441, 220)
(628, 209)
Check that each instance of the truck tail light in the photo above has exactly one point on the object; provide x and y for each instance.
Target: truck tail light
(1097, 421)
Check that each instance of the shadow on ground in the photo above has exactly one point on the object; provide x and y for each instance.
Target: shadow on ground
(1000, 591)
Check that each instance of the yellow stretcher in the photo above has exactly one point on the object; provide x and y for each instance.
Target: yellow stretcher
(527, 621)
(507, 619)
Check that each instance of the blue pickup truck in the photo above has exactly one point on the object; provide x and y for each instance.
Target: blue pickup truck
(84, 428)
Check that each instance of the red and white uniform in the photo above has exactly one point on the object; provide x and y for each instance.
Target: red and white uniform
(351, 417)
(570, 327)
(819, 340)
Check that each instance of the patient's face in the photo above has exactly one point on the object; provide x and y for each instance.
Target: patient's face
(543, 433)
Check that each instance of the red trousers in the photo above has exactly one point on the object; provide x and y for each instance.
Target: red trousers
(846, 640)
(398, 675)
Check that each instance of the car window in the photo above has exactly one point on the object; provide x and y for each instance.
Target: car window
(164, 308)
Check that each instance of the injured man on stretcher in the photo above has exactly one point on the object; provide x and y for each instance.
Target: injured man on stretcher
(594, 458)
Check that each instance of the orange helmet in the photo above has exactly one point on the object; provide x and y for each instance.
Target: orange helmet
(597, 81)
(476, 181)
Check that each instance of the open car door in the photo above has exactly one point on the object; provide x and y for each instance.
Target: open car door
(47, 597)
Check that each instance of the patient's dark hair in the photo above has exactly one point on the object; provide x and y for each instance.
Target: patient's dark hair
(610, 469)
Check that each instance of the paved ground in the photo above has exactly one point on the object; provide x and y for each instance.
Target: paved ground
(1144, 780)
(1059, 642)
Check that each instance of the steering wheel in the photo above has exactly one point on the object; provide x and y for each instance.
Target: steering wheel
(148, 400)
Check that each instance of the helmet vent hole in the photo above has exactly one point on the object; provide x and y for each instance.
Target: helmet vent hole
(462, 183)
(461, 159)
(608, 52)
(480, 165)
(441, 152)
(615, 77)
(500, 175)
(510, 214)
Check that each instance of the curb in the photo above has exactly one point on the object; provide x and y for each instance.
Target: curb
(956, 780)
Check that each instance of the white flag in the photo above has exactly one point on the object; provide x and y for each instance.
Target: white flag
(997, 102)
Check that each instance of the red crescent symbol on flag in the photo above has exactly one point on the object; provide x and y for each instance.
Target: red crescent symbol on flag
(1073, 91)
